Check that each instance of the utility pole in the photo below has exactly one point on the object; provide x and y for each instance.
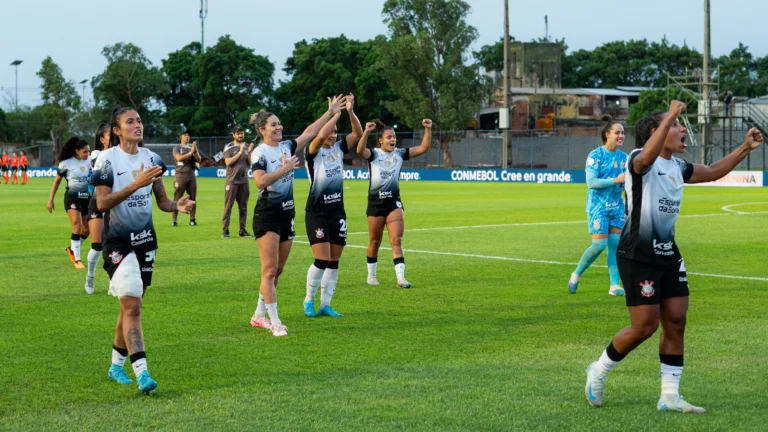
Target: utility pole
(83, 84)
(203, 16)
(504, 117)
(706, 133)
(17, 63)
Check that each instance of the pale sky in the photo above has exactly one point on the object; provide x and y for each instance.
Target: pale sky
(74, 32)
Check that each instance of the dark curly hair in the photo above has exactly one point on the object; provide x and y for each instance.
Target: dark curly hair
(608, 120)
(381, 128)
(97, 144)
(645, 126)
(70, 148)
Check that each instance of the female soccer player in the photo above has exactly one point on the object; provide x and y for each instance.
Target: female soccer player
(272, 163)
(95, 217)
(24, 164)
(76, 169)
(15, 168)
(125, 177)
(384, 205)
(326, 220)
(605, 205)
(649, 261)
(5, 163)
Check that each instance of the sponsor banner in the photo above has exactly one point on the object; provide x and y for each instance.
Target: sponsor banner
(739, 179)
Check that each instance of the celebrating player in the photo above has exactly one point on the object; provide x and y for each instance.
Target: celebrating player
(326, 220)
(384, 205)
(649, 261)
(125, 177)
(236, 186)
(95, 217)
(186, 157)
(605, 206)
(273, 162)
(24, 165)
(76, 169)
(15, 168)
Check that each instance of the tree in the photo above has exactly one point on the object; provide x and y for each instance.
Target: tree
(182, 74)
(658, 100)
(327, 67)
(424, 64)
(60, 101)
(738, 72)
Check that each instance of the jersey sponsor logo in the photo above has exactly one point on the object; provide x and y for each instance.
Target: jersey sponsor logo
(115, 257)
(288, 205)
(141, 238)
(385, 194)
(386, 175)
(332, 198)
(646, 289)
(333, 172)
(121, 173)
(591, 161)
(319, 233)
(664, 249)
(83, 195)
(667, 205)
(147, 269)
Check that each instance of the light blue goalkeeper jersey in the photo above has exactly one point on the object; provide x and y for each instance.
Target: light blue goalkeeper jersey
(604, 164)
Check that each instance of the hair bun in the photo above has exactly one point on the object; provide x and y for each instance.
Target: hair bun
(606, 118)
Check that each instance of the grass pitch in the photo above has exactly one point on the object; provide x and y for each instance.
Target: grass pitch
(488, 338)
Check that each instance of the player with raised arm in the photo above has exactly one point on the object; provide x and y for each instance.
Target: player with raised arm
(272, 163)
(605, 205)
(75, 167)
(95, 217)
(650, 263)
(185, 180)
(326, 220)
(384, 205)
(126, 176)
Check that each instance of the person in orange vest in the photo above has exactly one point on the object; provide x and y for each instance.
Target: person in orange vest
(23, 164)
(4, 164)
(15, 168)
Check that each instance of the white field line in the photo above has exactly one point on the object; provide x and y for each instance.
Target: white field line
(728, 208)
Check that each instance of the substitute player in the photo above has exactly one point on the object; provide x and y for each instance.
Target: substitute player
(125, 177)
(185, 180)
(273, 162)
(95, 217)
(605, 205)
(650, 264)
(384, 205)
(236, 187)
(75, 167)
(326, 220)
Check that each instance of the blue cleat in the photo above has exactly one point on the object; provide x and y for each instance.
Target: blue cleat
(117, 374)
(327, 310)
(146, 384)
(616, 290)
(309, 309)
(572, 287)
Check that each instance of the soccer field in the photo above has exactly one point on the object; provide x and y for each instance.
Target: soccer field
(487, 339)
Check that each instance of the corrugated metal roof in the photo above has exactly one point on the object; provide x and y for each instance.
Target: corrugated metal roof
(575, 92)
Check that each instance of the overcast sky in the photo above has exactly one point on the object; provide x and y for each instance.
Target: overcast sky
(74, 32)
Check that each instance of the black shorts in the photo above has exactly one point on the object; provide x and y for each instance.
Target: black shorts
(326, 228)
(93, 209)
(4, 168)
(146, 259)
(281, 225)
(384, 207)
(23, 167)
(648, 284)
(74, 203)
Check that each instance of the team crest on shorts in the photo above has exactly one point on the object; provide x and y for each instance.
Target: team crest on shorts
(72, 206)
(647, 289)
(94, 215)
(116, 257)
(319, 233)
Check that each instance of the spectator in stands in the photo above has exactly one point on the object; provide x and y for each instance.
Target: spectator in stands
(727, 100)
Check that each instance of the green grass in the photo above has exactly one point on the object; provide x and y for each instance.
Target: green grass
(477, 344)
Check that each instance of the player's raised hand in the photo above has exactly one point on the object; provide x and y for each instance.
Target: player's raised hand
(337, 104)
(676, 108)
(427, 123)
(350, 102)
(194, 146)
(370, 127)
(754, 138)
(146, 178)
(185, 205)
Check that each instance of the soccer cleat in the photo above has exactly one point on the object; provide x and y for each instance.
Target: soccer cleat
(328, 311)
(225, 234)
(117, 374)
(279, 330)
(111, 290)
(309, 309)
(677, 404)
(244, 234)
(402, 283)
(174, 224)
(79, 264)
(372, 280)
(146, 384)
(89, 285)
(595, 384)
(193, 223)
(71, 254)
(616, 291)
(572, 287)
(262, 322)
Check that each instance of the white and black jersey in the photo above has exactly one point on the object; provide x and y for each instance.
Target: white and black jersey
(277, 197)
(385, 174)
(326, 178)
(77, 173)
(654, 199)
(94, 155)
(128, 226)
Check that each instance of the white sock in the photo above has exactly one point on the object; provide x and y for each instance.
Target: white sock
(372, 270)
(670, 380)
(139, 366)
(93, 261)
(75, 246)
(330, 277)
(272, 309)
(117, 358)
(605, 363)
(261, 308)
(314, 275)
(574, 278)
(400, 271)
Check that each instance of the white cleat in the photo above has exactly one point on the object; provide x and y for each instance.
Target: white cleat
(372, 280)
(595, 384)
(402, 283)
(89, 288)
(677, 404)
(616, 290)
(279, 330)
(112, 291)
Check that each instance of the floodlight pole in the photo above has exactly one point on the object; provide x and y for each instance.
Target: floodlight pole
(707, 86)
(203, 16)
(17, 63)
(83, 84)
(506, 138)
